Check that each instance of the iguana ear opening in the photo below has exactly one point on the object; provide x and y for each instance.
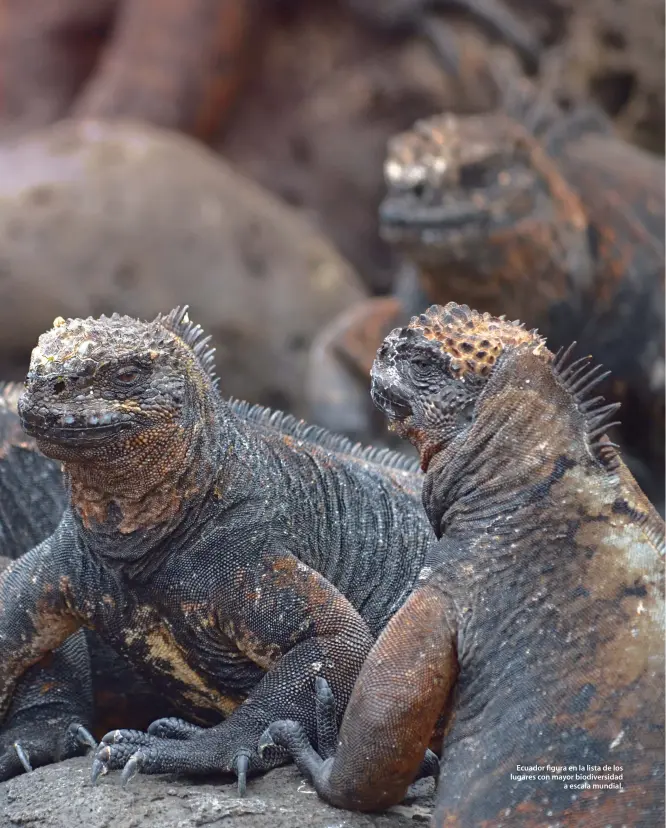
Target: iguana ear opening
(178, 322)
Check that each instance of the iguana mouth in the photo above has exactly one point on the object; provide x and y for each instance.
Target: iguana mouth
(49, 429)
(404, 211)
(393, 405)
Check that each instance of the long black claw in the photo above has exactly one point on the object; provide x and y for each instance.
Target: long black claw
(241, 763)
(100, 765)
(83, 736)
(23, 756)
(132, 767)
(98, 769)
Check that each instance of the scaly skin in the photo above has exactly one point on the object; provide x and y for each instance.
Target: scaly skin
(539, 633)
(229, 553)
(32, 491)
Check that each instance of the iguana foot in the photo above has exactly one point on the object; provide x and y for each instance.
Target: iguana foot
(291, 735)
(316, 765)
(41, 741)
(192, 750)
(326, 718)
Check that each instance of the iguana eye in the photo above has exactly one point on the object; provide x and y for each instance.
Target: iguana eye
(127, 375)
(424, 372)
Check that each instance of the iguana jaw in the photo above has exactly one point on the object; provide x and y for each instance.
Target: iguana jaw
(69, 430)
(390, 401)
(402, 212)
(447, 232)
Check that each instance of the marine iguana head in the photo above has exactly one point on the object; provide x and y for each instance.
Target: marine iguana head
(427, 377)
(100, 387)
(125, 404)
(456, 183)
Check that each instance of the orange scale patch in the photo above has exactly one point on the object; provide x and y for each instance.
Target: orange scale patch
(473, 340)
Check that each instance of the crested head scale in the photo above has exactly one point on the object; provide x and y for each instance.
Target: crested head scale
(472, 340)
(80, 344)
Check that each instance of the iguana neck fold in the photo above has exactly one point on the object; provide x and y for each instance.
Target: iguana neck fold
(491, 469)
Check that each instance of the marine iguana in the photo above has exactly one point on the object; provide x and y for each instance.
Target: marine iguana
(229, 553)
(538, 628)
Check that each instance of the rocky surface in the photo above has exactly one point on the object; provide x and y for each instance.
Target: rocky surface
(99, 217)
(61, 796)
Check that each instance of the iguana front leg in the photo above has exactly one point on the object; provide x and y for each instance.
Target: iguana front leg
(291, 621)
(400, 693)
(36, 614)
(47, 718)
(51, 715)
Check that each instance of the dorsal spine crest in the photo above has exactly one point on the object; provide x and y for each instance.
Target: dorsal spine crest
(178, 322)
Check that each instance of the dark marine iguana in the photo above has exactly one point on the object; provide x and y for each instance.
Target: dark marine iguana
(542, 639)
(230, 554)
(32, 493)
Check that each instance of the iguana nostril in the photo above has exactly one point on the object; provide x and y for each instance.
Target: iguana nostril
(59, 387)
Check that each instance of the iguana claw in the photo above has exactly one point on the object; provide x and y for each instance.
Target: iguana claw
(24, 757)
(132, 767)
(265, 741)
(100, 764)
(241, 764)
(82, 735)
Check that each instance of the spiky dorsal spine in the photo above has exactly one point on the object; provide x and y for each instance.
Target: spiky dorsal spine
(322, 438)
(193, 335)
(579, 378)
